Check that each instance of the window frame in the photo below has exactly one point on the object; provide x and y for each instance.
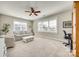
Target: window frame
(20, 26)
(48, 26)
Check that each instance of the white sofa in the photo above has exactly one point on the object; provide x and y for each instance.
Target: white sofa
(18, 35)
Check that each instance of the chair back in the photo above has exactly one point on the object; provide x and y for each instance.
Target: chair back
(64, 32)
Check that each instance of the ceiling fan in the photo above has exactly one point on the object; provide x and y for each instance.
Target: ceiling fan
(33, 12)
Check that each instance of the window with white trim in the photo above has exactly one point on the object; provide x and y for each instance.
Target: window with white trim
(20, 26)
(47, 26)
(52, 26)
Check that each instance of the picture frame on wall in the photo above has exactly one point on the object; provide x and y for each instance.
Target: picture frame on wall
(67, 24)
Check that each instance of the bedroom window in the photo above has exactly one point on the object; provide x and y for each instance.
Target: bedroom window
(47, 26)
(20, 26)
(52, 26)
(43, 26)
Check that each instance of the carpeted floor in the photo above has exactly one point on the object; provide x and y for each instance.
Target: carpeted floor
(39, 48)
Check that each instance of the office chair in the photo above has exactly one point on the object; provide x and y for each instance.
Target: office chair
(66, 36)
(70, 42)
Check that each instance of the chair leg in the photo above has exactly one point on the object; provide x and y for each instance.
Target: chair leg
(66, 44)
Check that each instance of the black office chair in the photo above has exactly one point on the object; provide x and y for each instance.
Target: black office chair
(70, 42)
(66, 36)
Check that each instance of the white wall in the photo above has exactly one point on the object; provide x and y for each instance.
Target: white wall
(9, 20)
(64, 16)
(0, 21)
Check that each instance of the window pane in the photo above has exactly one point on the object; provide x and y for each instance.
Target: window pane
(48, 26)
(18, 26)
(45, 26)
(40, 25)
(53, 25)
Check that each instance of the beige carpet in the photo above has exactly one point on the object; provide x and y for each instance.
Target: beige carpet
(39, 48)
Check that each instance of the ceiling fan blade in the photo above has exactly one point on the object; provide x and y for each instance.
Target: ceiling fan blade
(37, 11)
(32, 9)
(35, 14)
(27, 11)
(30, 14)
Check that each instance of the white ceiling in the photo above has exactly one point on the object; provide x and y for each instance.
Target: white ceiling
(17, 8)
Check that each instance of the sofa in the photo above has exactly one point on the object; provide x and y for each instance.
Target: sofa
(18, 35)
